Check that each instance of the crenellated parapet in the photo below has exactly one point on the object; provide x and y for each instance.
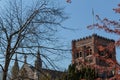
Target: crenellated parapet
(103, 38)
(95, 36)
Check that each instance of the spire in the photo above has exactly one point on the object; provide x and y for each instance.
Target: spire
(25, 59)
(15, 69)
(38, 61)
(16, 60)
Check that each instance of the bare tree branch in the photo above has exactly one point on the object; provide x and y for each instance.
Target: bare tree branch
(26, 28)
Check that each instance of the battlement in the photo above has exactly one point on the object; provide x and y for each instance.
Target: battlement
(94, 36)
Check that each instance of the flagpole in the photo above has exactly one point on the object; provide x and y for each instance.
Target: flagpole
(93, 19)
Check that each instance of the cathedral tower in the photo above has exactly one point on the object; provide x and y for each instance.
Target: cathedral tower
(38, 66)
(38, 61)
(93, 50)
(15, 69)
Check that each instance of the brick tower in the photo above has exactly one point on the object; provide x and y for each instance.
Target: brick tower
(94, 51)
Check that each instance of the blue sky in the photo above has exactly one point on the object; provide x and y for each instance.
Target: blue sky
(80, 16)
(80, 13)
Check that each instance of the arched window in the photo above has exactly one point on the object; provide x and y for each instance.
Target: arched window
(77, 55)
(90, 52)
(80, 54)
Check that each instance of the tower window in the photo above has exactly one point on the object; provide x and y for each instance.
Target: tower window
(76, 55)
(80, 54)
(110, 55)
(90, 51)
(102, 53)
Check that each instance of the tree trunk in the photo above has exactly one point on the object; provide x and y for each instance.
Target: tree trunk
(4, 75)
(7, 62)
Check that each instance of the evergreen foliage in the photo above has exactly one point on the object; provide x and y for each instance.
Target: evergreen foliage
(84, 73)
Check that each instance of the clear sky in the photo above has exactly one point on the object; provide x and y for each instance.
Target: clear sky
(80, 13)
(80, 16)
